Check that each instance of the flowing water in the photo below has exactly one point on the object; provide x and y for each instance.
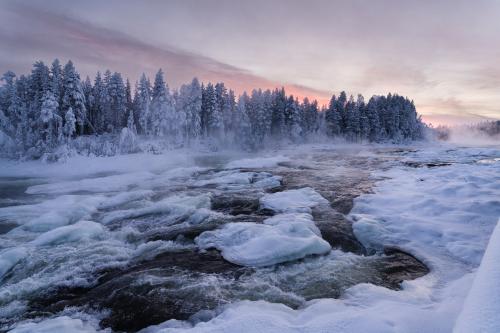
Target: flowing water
(121, 247)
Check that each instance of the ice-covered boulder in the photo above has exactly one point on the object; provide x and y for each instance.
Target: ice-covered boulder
(281, 238)
(293, 201)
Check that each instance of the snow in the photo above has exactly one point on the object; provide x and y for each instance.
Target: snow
(293, 201)
(280, 239)
(482, 305)
(257, 162)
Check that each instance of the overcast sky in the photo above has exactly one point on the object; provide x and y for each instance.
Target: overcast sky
(443, 54)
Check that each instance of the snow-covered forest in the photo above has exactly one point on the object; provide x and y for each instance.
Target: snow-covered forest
(53, 106)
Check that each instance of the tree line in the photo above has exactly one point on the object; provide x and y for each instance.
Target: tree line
(52, 105)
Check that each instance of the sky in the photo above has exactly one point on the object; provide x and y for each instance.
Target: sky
(443, 54)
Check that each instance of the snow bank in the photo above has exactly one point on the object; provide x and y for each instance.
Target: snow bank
(80, 231)
(281, 238)
(435, 213)
(365, 308)
(257, 162)
(62, 324)
(481, 312)
(293, 201)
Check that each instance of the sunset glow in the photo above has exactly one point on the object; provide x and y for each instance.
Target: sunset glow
(445, 61)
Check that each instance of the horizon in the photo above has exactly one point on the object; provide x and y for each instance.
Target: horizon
(188, 39)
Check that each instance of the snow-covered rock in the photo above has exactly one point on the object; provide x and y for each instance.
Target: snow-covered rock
(293, 201)
(281, 238)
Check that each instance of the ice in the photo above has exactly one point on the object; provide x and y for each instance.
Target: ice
(9, 258)
(62, 324)
(482, 305)
(257, 162)
(227, 177)
(280, 239)
(293, 201)
(78, 232)
(97, 185)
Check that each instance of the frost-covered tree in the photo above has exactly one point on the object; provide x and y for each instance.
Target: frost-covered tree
(73, 97)
(142, 102)
(56, 84)
(333, 118)
(243, 127)
(39, 109)
(189, 102)
(164, 119)
(69, 123)
(117, 103)
(50, 121)
(278, 113)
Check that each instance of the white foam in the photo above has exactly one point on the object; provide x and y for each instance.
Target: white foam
(174, 206)
(9, 258)
(80, 231)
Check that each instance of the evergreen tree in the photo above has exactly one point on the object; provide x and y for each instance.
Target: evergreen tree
(69, 123)
(50, 120)
(73, 96)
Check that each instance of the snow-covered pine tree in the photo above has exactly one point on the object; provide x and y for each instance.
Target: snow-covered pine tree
(189, 102)
(164, 120)
(73, 96)
(118, 102)
(50, 121)
(143, 103)
(69, 124)
(243, 127)
(278, 114)
(333, 118)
